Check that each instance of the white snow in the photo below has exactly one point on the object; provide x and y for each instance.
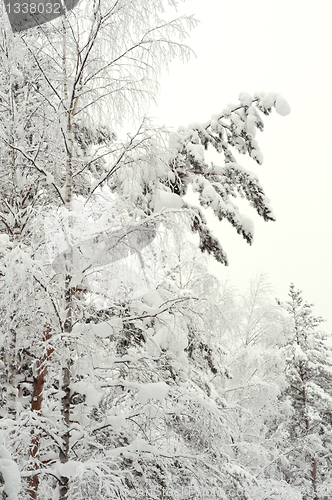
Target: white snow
(89, 239)
(247, 224)
(269, 99)
(153, 299)
(90, 391)
(245, 98)
(218, 169)
(161, 338)
(10, 472)
(11, 477)
(257, 155)
(116, 421)
(214, 125)
(251, 124)
(299, 354)
(226, 112)
(282, 106)
(93, 396)
(166, 199)
(171, 176)
(107, 328)
(311, 341)
(4, 240)
(69, 469)
(196, 150)
(209, 192)
(49, 178)
(236, 119)
(158, 391)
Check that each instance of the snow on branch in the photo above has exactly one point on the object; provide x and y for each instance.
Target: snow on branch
(232, 131)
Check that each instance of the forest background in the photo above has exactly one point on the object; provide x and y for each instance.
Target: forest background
(128, 370)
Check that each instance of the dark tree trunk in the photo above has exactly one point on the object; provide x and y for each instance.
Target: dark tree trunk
(36, 407)
(65, 400)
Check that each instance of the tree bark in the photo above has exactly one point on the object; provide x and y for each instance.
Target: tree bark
(65, 388)
(36, 406)
(314, 477)
(66, 375)
(11, 377)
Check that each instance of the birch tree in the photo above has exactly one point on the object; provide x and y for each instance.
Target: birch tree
(98, 395)
(80, 71)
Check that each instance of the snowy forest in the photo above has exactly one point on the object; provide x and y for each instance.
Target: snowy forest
(128, 370)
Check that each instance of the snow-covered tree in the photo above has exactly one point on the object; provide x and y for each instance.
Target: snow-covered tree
(103, 377)
(279, 391)
(49, 102)
(255, 380)
(307, 449)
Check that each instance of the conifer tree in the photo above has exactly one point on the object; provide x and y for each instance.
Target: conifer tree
(229, 133)
(307, 462)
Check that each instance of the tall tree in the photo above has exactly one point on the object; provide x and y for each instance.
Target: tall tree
(73, 73)
(97, 378)
(256, 379)
(308, 371)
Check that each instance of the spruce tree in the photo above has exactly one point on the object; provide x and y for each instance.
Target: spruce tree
(309, 393)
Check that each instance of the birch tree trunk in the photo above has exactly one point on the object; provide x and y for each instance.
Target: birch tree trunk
(65, 390)
(66, 374)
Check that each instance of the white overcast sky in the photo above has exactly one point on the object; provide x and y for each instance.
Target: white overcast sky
(282, 46)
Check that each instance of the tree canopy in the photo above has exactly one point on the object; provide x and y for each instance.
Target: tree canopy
(127, 369)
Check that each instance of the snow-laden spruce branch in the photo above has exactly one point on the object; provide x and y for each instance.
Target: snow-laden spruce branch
(232, 130)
